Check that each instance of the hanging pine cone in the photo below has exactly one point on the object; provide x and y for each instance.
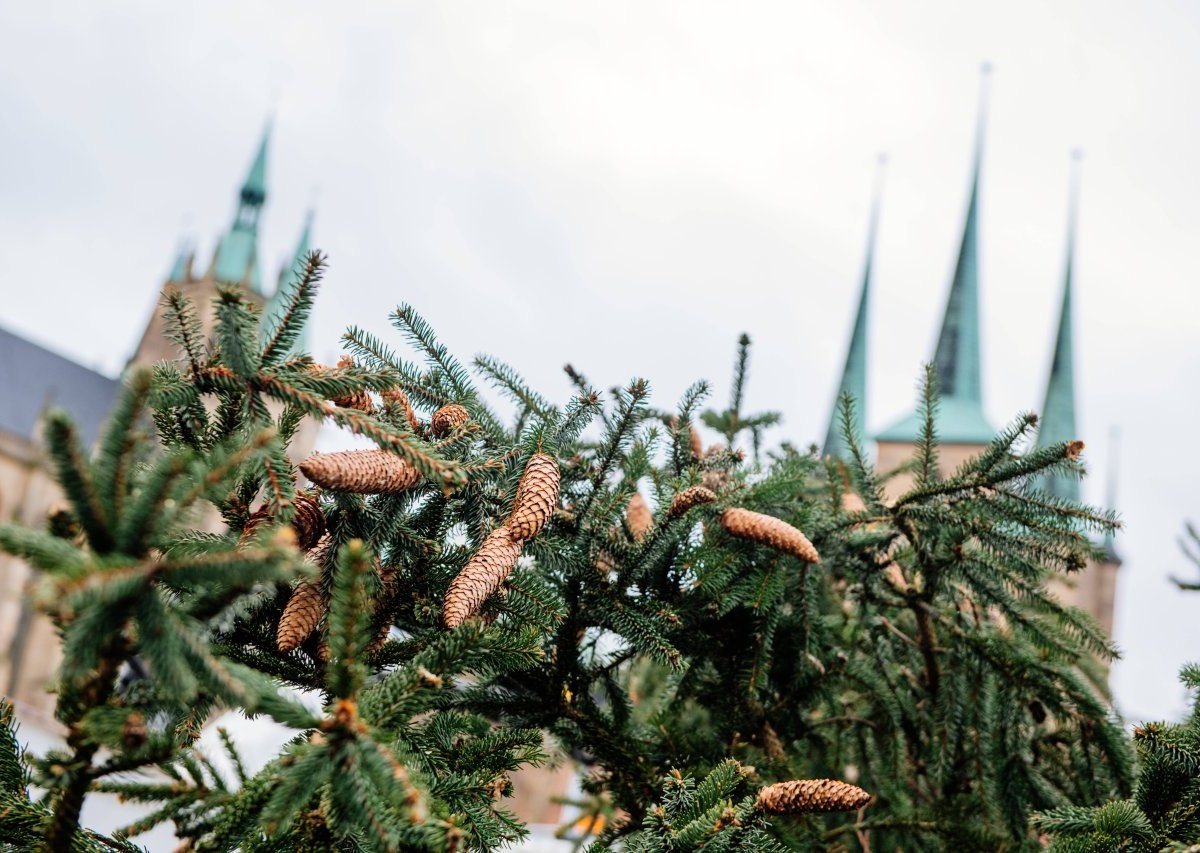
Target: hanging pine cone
(1074, 448)
(747, 524)
(301, 615)
(359, 399)
(257, 519)
(481, 576)
(697, 447)
(396, 397)
(811, 796)
(447, 419)
(308, 521)
(693, 496)
(638, 517)
(368, 472)
(537, 497)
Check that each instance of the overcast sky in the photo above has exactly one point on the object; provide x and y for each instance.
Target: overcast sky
(630, 185)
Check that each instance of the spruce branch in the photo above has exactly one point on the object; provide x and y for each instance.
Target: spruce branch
(302, 294)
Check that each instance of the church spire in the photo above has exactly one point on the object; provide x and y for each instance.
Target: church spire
(957, 357)
(1058, 410)
(236, 259)
(181, 267)
(288, 275)
(854, 373)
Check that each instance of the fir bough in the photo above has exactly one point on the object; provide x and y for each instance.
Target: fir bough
(921, 659)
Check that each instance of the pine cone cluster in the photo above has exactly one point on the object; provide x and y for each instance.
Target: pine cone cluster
(537, 497)
(811, 796)
(370, 472)
(638, 517)
(768, 530)
(689, 498)
(447, 419)
(536, 500)
(481, 576)
(396, 397)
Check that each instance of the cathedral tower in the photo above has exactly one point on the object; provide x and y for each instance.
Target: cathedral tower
(235, 263)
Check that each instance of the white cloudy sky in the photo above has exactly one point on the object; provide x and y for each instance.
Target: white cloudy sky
(630, 185)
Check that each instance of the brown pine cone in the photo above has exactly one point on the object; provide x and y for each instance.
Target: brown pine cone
(360, 399)
(747, 524)
(481, 576)
(811, 796)
(697, 447)
(308, 521)
(257, 519)
(397, 397)
(537, 497)
(370, 472)
(447, 419)
(693, 496)
(638, 517)
(301, 615)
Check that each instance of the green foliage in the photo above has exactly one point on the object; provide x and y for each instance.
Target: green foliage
(922, 656)
(1164, 811)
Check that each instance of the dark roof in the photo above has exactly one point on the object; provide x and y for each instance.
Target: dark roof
(33, 379)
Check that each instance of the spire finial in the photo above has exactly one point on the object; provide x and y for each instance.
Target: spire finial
(254, 190)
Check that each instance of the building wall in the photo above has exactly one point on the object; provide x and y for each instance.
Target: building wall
(29, 647)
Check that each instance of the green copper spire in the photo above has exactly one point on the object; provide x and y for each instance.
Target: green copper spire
(287, 278)
(854, 373)
(181, 268)
(1058, 411)
(957, 356)
(236, 260)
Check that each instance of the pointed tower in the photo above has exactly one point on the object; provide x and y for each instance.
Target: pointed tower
(235, 263)
(288, 274)
(854, 372)
(236, 258)
(1057, 421)
(181, 267)
(962, 425)
(1093, 589)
